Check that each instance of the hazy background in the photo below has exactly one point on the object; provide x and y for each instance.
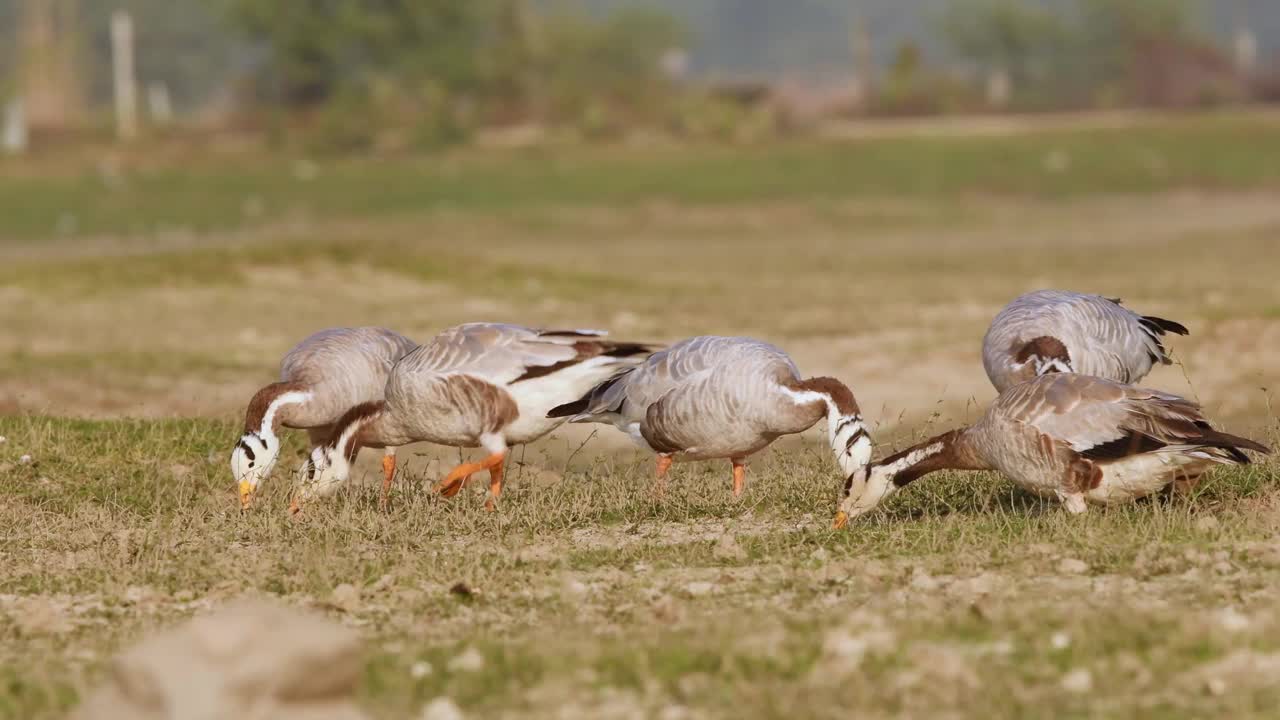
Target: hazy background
(435, 71)
(863, 183)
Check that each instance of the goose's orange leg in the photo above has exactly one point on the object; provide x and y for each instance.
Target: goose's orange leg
(459, 476)
(495, 487)
(660, 484)
(739, 476)
(388, 473)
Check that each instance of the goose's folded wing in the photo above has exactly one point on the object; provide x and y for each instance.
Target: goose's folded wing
(505, 354)
(1106, 420)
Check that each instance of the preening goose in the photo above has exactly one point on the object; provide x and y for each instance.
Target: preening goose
(483, 385)
(320, 378)
(723, 397)
(1049, 331)
(1075, 437)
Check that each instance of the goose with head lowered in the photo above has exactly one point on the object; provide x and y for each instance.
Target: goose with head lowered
(1078, 438)
(712, 397)
(486, 385)
(1050, 331)
(320, 379)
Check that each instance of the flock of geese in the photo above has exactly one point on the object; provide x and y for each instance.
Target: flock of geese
(1068, 423)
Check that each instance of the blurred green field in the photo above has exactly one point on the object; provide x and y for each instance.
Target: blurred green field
(190, 188)
(146, 293)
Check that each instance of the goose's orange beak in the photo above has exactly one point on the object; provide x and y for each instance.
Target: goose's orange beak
(246, 494)
(842, 519)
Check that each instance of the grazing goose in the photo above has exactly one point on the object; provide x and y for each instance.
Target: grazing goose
(483, 385)
(1075, 437)
(722, 397)
(320, 379)
(1049, 331)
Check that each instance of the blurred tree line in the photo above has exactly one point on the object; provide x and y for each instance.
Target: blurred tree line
(362, 73)
(1096, 53)
(437, 68)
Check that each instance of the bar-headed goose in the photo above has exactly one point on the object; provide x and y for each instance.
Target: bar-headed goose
(320, 379)
(1075, 437)
(483, 385)
(1049, 331)
(723, 397)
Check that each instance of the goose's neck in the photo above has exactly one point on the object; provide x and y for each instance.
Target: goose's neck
(951, 450)
(367, 425)
(265, 411)
(846, 430)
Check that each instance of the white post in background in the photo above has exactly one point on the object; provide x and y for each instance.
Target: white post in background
(159, 104)
(1246, 50)
(126, 86)
(999, 88)
(14, 140)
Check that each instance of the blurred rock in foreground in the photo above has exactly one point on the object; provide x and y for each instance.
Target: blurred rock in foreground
(251, 659)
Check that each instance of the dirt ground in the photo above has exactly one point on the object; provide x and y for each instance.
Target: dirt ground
(126, 360)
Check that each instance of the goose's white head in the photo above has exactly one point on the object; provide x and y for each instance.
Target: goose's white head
(1041, 356)
(329, 465)
(864, 491)
(252, 460)
(255, 455)
(321, 475)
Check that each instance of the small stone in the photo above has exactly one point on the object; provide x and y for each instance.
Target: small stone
(250, 659)
(1215, 686)
(470, 660)
(547, 478)
(140, 595)
(844, 648)
(537, 554)
(1060, 641)
(674, 712)
(442, 708)
(921, 580)
(345, 597)
(37, 616)
(3, 439)
(462, 590)
(1072, 566)
(698, 589)
(1077, 681)
(574, 588)
(727, 548)
(1232, 620)
(420, 669)
(1208, 523)
(24, 460)
(666, 609)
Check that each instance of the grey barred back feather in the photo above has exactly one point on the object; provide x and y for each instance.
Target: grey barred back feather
(1100, 337)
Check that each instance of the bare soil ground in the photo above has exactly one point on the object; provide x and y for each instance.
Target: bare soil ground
(126, 357)
(893, 297)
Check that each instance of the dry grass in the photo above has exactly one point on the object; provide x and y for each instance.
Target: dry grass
(585, 596)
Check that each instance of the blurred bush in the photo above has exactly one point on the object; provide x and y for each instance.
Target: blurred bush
(364, 73)
(1094, 53)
